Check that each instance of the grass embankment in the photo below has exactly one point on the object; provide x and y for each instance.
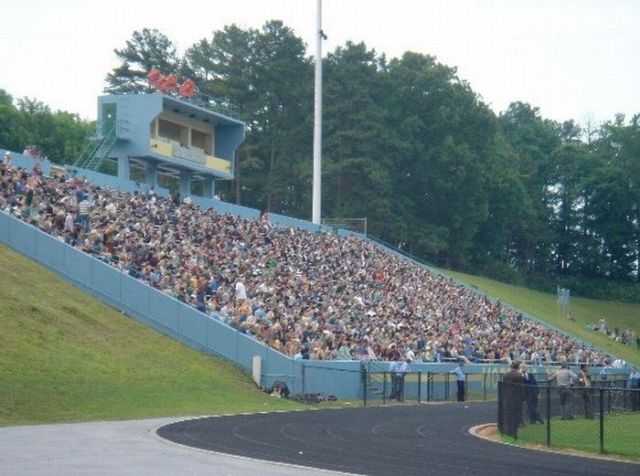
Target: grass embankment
(620, 435)
(583, 311)
(66, 357)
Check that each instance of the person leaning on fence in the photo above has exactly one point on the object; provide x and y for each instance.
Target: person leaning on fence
(634, 386)
(393, 368)
(584, 379)
(513, 394)
(531, 394)
(461, 379)
(402, 368)
(565, 378)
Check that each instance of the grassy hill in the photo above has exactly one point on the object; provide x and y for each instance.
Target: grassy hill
(66, 357)
(583, 311)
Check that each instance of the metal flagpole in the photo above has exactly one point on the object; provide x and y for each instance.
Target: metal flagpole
(317, 126)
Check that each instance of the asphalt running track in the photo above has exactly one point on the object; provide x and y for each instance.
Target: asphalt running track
(391, 440)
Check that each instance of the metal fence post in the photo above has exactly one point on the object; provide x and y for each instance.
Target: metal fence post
(601, 420)
(384, 388)
(364, 385)
(446, 386)
(500, 408)
(548, 415)
(484, 387)
(304, 372)
(419, 386)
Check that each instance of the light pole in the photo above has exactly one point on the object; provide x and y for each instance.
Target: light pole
(317, 123)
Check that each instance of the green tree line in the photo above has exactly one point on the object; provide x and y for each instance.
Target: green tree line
(59, 135)
(411, 147)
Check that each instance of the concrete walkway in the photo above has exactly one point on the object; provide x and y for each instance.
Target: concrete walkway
(120, 448)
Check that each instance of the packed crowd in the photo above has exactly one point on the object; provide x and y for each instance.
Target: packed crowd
(316, 296)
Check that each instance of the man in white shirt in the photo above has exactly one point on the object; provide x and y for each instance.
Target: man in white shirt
(565, 378)
(241, 293)
(68, 222)
(399, 369)
(409, 355)
(461, 379)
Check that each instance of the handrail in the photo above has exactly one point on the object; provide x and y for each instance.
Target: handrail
(94, 146)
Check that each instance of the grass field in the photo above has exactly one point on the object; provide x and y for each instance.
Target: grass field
(66, 357)
(620, 435)
(583, 310)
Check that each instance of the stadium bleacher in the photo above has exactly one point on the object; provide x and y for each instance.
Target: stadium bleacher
(308, 295)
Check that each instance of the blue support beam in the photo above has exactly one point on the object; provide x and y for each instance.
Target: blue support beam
(152, 173)
(124, 167)
(209, 188)
(185, 183)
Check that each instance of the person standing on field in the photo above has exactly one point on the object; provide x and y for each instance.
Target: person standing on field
(531, 394)
(565, 378)
(461, 380)
(584, 380)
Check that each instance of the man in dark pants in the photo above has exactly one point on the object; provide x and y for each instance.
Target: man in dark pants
(461, 379)
(585, 385)
(531, 394)
(565, 378)
(393, 371)
(513, 396)
(402, 368)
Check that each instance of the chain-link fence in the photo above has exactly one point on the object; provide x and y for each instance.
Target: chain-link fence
(602, 418)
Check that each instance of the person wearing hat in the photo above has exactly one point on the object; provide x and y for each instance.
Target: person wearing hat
(565, 378)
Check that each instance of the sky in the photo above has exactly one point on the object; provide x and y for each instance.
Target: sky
(574, 59)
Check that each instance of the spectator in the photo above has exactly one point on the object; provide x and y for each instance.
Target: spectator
(584, 380)
(83, 214)
(565, 379)
(513, 396)
(241, 293)
(401, 373)
(461, 380)
(399, 369)
(531, 394)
